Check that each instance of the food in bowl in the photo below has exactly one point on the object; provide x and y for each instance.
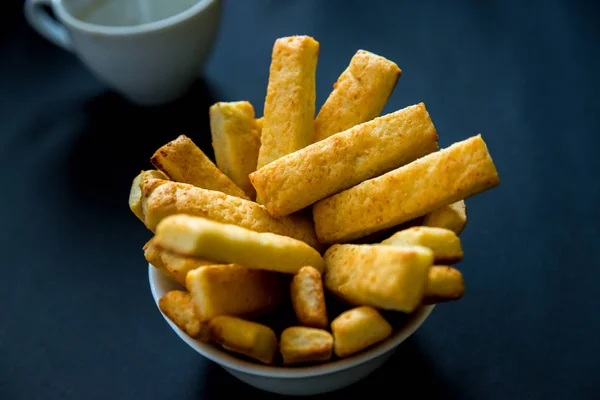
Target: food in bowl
(314, 244)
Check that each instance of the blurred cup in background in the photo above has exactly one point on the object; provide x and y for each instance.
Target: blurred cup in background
(150, 51)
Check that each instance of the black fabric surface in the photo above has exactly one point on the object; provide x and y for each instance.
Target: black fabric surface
(77, 318)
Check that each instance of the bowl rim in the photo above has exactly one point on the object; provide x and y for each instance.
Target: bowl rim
(230, 361)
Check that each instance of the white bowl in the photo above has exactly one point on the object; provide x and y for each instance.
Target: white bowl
(298, 380)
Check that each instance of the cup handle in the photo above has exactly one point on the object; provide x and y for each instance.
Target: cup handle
(45, 25)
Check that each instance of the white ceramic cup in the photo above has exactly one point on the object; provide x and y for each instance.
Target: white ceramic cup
(149, 63)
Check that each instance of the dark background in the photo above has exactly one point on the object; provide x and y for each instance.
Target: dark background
(77, 318)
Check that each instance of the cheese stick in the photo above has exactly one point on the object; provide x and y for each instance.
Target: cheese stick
(452, 216)
(444, 243)
(163, 198)
(234, 290)
(177, 305)
(235, 140)
(179, 266)
(345, 159)
(290, 102)
(357, 329)
(386, 277)
(436, 180)
(359, 94)
(308, 298)
(152, 254)
(259, 125)
(225, 243)
(182, 161)
(299, 344)
(244, 337)
(444, 283)
(135, 194)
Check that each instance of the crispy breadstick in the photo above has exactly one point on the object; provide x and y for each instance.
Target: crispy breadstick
(444, 283)
(234, 290)
(244, 337)
(178, 307)
(452, 216)
(290, 103)
(297, 180)
(135, 194)
(259, 125)
(235, 140)
(231, 244)
(444, 243)
(179, 266)
(308, 298)
(155, 255)
(438, 179)
(164, 198)
(386, 277)
(359, 94)
(171, 265)
(152, 254)
(182, 161)
(357, 329)
(299, 344)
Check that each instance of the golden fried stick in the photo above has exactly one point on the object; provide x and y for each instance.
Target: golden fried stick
(299, 344)
(163, 198)
(259, 125)
(436, 180)
(345, 159)
(152, 254)
(135, 194)
(452, 216)
(182, 161)
(444, 283)
(308, 298)
(386, 277)
(244, 337)
(234, 290)
(179, 266)
(171, 265)
(290, 103)
(357, 329)
(444, 243)
(178, 307)
(231, 244)
(359, 94)
(235, 140)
